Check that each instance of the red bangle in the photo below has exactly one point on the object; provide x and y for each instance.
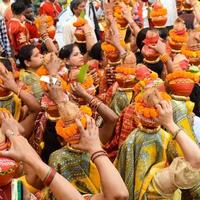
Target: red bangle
(98, 155)
(50, 176)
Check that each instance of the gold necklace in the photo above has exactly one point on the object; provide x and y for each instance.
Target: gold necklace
(72, 149)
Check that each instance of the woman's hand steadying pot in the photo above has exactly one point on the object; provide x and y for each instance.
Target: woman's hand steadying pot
(165, 112)
(89, 140)
(20, 149)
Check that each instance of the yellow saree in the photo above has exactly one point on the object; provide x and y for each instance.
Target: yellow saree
(140, 158)
(77, 168)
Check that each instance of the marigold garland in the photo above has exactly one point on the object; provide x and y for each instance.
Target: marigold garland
(79, 23)
(50, 24)
(47, 19)
(86, 110)
(125, 70)
(106, 47)
(182, 74)
(42, 71)
(178, 38)
(88, 83)
(67, 131)
(190, 53)
(148, 112)
(158, 12)
(141, 84)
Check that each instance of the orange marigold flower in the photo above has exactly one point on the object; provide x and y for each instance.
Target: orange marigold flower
(80, 22)
(154, 75)
(106, 47)
(178, 38)
(148, 112)
(158, 12)
(125, 70)
(190, 53)
(182, 74)
(42, 71)
(70, 130)
(86, 110)
(88, 83)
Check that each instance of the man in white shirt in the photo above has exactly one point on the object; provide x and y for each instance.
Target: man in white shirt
(172, 15)
(65, 29)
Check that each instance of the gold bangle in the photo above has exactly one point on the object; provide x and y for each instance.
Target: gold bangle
(176, 133)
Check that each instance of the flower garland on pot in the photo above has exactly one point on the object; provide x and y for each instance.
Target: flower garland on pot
(140, 86)
(178, 36)
(158, 15)
(192, 55)
(145, 114)
(125, 76)
(111, 52)
(117, 13)
(69, 130)
(48, 20)
(79, 33)
(181, 82)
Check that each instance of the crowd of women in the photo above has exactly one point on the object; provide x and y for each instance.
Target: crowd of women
(96, 104)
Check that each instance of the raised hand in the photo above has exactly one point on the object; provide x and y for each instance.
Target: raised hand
(89, 141)
(165, 111)
(20, 149)
(160, 47)
(78, 90)
(53, 64)
(126, 13)
(55, 92)
(108, 7)
(9, 123)
(8, 79)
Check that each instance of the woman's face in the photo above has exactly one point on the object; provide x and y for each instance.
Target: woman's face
(76, 59)
(36, 59)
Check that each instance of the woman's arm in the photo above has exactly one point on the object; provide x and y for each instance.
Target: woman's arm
(113, 187)
(50, 45)
(128, 16)
(90, 37)
(28, 124)
(160, 47)
(21, 151)
(190, 149)
(46, 39)
(10, 84)
(109, 116)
